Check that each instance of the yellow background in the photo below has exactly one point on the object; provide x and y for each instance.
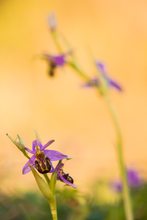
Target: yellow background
(58, 108)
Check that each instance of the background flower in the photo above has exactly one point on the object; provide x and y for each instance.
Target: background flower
(134, 180)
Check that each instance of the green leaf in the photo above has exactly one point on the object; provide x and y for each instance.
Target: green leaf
(43, 186)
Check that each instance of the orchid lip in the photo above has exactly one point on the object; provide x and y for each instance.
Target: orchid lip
(64, 177)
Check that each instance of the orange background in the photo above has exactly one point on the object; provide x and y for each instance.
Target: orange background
(58, 108)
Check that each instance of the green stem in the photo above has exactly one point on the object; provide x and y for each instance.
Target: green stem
(52, 200)
(120, 158)
(53, 206)
(119, 142)
(56, 40)
(76, 68)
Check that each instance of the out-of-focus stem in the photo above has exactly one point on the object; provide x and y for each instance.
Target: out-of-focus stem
(119, 150)
(120, 158)
(119, 142)
(56, 40)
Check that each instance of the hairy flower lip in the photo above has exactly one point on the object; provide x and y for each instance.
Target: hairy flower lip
(52, 155)
(61, 175)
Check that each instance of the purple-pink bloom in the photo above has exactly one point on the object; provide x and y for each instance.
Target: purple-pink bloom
(112, 83)
(64, 177)
(55, 61)
(116, 186)
(134, 181)
(95, 81)
(42, 158)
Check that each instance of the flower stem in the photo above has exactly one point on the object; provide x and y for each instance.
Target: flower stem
(55, 36)
(119, 151)
(53, 207)
(120, 158)
(119, 142)
(52, 200)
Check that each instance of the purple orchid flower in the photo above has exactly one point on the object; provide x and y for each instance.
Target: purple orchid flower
(64, 177)
(94, 82)
(55, 61)
(134, 181)
(42, 158)
(112, 83)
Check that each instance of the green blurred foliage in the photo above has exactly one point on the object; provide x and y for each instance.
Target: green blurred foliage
(72, 205)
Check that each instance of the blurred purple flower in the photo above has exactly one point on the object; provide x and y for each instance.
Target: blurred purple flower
(96, 81)
(134, 181)
(42, 158)
(64, 177)
(116, 186)
(55, 61)
(112, 83)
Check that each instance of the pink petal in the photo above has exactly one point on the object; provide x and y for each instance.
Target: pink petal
(47, 144)
(26, 167)
(54, 155)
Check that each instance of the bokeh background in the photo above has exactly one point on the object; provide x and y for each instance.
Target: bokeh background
(59, 108)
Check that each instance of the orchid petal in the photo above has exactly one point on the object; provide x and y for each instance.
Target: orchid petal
(26, 167)
(59, 60)
(102, 68)
(115, 85)
(54, 155)
(47, 144)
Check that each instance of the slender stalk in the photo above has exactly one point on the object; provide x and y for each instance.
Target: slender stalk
(120, 155)
(56, 40)
(52, 200)
(119, 142)
(53, 207)
(120, 158)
